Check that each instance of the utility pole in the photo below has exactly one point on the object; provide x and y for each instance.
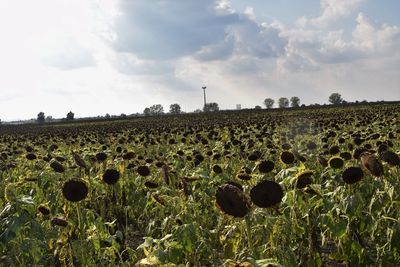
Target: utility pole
(204, 92)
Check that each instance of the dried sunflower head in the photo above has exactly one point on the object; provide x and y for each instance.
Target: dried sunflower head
(266, 194)
(111, 176)
(372, 164)
(75, 190)
(232, 201)
(352, 175)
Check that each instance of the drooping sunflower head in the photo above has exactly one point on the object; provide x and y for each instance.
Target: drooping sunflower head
(232, 201)
(266, 194)
(75, 190)
(144, 170)
(111, 176)
(336, 162)
(287, 157)
(303, 179)
(266, 166)
(372, 164)
(352, 175)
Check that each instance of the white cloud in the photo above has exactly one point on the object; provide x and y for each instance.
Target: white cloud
(250, 14)
(332, 10)
(374, 39)
(310, 49)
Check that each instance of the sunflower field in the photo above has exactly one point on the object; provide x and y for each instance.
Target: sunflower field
(284, 187)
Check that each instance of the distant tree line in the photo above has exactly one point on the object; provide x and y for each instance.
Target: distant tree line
(41, 118)
(283, 102)
(158, 109)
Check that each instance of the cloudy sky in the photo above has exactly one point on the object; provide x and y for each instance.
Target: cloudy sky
(119, 56)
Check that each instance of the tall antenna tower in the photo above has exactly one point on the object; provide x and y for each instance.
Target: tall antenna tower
(204, 93)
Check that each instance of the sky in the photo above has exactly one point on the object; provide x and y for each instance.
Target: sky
(120, 56)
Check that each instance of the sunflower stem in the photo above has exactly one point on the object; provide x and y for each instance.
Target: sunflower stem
(78, 209)
(248, 233)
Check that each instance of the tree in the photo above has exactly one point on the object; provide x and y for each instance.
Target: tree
(175, 109)
(70, 116)
(295, 102)
(40, 117)
(211, 107)
(269, 102)
(107, 116)
(156, 109)
(257, 107)
(49, 118)
(335, 99)
(283, 102)
(146, 112)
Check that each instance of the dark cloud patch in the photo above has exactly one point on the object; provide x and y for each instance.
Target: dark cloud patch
(207, 30)
(219, 51)
(259, 41)
(169, 29)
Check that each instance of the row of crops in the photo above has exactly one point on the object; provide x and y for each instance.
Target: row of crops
(316, 187)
